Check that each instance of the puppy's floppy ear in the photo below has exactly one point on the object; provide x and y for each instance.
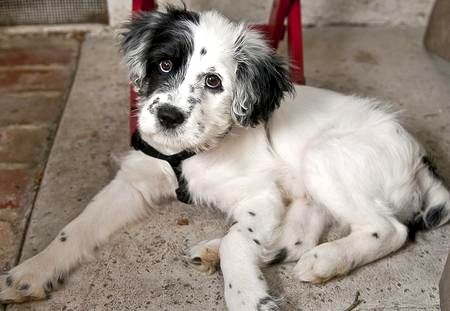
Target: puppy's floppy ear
(135, 44)
(261, 79)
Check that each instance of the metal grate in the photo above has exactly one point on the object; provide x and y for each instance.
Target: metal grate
(33, 12)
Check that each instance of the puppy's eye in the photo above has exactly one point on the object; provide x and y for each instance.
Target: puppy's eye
(165, 66)
(213, 81)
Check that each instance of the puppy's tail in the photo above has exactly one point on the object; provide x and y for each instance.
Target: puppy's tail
(436, 200)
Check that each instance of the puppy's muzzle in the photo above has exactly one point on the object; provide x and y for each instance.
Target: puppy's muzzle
(169, 116)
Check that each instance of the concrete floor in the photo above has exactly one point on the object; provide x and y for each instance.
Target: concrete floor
(142, 268)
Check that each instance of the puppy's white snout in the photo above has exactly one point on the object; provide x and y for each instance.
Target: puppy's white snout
(169, 116)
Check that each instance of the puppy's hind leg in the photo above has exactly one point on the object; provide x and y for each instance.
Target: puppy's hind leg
(367, 242)
(139, 182)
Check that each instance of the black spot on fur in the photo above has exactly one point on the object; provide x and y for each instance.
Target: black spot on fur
(234, 222)
(24, 287)
(315, 255)
(49, 286)
(250, 229)
(63, 239)
(61, 279)
(230, 286)
(256, 241)
(375, 235)
(252, 214)
(267, 304)
(420, 222)
(260, 277)
(193, 100)
(298, 243)
(9, 281)
(203, 51)
(279, 257)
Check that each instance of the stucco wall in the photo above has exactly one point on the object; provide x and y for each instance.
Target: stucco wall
(315, 12)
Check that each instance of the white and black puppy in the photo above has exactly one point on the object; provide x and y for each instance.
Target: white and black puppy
(208, 91)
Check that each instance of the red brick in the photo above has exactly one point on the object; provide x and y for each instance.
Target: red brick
(9, 243)
(23, 144)
(13, 185)
(31, 107)
(17, 80)
(38, 50)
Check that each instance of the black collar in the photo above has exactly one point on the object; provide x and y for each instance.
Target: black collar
(174, 160)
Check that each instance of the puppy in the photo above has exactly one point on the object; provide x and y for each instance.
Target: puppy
(210, 133)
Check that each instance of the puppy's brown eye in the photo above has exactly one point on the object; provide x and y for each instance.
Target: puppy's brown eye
(213, 81)
(165, 66)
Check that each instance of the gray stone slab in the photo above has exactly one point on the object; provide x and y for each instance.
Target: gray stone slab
(142, 268)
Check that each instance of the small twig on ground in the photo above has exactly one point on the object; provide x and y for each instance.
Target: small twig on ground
(355, 302)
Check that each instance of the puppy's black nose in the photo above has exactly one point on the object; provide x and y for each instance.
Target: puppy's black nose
(169, 116)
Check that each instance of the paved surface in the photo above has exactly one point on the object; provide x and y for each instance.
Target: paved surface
(35, 78)
(142, 268)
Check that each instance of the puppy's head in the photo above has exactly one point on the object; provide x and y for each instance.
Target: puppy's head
(197, 75)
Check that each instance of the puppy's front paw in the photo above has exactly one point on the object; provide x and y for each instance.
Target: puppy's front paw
(205, 256)
(28, 281)
(322, 263)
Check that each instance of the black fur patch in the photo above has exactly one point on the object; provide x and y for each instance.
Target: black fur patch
(203, 51)
(256, 241)
(251, 214)
(267, 304)
(375, 235)
(432, 218)
(153, 37)
(279, 257)
(298, 243)
(261, 80)
(63, 239)
(9, 281)
(250, 230)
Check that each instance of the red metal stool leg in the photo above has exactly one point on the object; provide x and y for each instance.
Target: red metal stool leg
(144, 5)
(295, 42)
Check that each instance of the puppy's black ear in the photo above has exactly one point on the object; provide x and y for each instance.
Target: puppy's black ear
(135, 44)
(261, 79)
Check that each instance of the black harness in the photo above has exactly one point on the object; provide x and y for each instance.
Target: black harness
(174, 160)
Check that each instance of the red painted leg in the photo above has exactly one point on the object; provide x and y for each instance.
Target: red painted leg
(295, 43)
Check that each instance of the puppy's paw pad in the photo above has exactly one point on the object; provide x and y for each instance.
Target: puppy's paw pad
(205, 256)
